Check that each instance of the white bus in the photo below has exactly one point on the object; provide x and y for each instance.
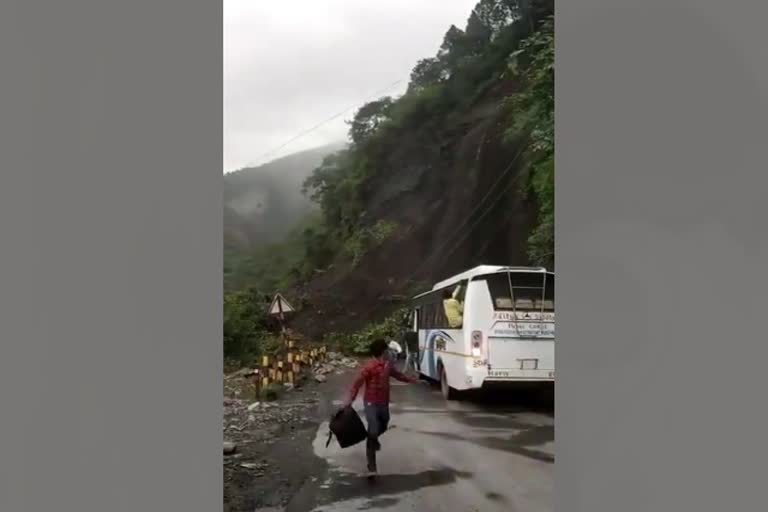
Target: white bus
(507, 333)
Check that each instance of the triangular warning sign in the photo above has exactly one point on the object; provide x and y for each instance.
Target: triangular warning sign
(279, 305)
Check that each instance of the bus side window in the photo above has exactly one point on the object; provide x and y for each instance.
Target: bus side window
(437, 316)
(457, 294)
(443, 319)
(436, 310)
(549, 292)
(463, 292)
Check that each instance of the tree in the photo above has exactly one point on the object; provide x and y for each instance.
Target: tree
(496, 15)
(318, 247)
(368, 119)
(336, 187)
(534, 115)
(453, 49)
(427, 72)
(322, 185)
(244, 325)
(478, 34)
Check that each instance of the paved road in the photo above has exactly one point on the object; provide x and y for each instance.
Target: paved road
(442, 457)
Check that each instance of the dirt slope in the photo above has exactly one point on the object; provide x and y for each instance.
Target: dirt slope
(459, 199)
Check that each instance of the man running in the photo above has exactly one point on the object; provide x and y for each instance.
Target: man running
(375, 375)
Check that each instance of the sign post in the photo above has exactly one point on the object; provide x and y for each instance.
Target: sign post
(278, 308)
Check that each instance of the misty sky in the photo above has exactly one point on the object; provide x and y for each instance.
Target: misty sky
(289, 65)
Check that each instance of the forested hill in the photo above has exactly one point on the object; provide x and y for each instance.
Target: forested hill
(459, 171)
(262, 203)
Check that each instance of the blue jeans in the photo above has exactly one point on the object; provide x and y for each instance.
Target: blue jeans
(377, 417)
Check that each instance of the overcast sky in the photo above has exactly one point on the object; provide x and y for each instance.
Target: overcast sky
(289, 65)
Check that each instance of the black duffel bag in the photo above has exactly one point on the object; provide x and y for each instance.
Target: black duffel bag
(348, 428)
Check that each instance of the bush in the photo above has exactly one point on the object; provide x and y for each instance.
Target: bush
(541, 243)
(533, 114)
(366, 238)
(358, 343)
(308, 247)
(245, 332)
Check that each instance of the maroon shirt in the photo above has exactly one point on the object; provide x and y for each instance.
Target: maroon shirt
(375, 375)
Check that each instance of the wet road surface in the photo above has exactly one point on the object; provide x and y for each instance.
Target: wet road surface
(439, 456)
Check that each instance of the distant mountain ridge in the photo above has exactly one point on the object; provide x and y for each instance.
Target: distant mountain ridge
(262, 203)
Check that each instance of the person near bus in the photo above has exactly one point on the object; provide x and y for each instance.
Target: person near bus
(454, 309)
(411, 342)
(375, 375)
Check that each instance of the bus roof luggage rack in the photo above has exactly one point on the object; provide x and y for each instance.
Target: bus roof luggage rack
(536, 269)
(483, 269)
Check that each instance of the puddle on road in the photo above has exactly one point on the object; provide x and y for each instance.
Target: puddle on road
(346, 490)
(351, 492)
(530, 436)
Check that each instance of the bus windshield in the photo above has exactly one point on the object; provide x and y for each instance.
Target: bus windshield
(521, 291)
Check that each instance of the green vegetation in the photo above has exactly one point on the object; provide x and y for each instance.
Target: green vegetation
(262, 203)
(359, 342)
(533, 114)
(507, 45)
(367, 238)
(265, 216)
(276, 266)
(246, 336)
(501, 39)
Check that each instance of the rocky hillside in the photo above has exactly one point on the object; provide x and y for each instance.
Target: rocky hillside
(453, 206)
(457, 172)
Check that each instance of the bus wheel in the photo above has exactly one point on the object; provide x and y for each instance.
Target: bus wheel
(448, 392)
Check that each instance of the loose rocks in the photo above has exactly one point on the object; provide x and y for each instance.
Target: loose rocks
(229, 447)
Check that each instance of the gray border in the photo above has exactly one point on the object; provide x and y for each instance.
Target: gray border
(661, 250)
(111, 255)
(110, 214)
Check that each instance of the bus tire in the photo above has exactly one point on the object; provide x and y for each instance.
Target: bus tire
(448, 392)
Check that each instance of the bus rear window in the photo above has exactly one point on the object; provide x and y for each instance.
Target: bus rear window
(521, 291)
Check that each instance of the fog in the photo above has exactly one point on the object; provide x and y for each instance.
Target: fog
(263, 203)
(290, 65)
